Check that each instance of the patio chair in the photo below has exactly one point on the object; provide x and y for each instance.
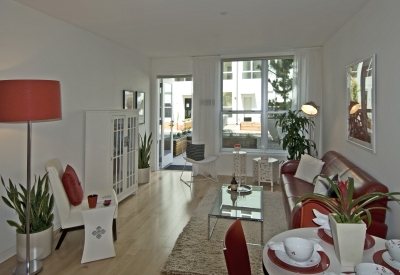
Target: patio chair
(204, 166)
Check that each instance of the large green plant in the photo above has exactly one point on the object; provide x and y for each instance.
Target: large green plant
(144, 151)
(41, 216)
(295, 126)
(345, 208)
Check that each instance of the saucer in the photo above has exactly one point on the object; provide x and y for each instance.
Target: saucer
(389, 260)
(313, 261)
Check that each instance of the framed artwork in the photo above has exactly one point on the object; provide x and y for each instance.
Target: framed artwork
(128, 99)
(361, 90)
(140, 106)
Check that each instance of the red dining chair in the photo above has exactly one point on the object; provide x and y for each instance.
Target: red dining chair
(307, 214)
(235, 250)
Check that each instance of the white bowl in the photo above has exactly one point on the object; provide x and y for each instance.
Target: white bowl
(393, 247)
(298, 249)
(372, 269)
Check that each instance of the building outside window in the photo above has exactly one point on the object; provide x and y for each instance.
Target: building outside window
(251, 69)
(253, 95)
(227, 71)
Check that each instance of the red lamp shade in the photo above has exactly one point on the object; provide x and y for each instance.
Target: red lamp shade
(29, 100)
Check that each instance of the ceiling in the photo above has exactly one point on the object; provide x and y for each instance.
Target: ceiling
(170, 28)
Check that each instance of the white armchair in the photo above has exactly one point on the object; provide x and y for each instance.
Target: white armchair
(70, 216)
(201, 165)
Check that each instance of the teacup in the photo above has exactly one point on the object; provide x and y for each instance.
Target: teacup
(298, 249)
(372, 269)
(393, 247)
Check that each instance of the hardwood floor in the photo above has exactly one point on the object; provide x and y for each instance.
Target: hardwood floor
(148, 225)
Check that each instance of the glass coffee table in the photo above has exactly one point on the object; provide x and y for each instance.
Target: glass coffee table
(229, 205)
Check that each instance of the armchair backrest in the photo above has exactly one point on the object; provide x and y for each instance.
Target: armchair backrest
(56, 171)
(235, 251)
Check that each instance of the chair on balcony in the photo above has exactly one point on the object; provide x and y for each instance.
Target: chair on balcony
(70, 215)
(204, 166)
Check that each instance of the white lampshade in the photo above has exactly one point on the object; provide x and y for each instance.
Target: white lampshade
(309, 108)
(353, 107)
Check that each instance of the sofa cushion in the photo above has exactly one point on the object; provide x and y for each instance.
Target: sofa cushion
(309, 167)
(72, 186)
(323, 187)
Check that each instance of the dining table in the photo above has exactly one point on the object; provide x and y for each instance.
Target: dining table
(373, 251)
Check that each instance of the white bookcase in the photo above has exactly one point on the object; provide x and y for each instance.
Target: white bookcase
(111, 156)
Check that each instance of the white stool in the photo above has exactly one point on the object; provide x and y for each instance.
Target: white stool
(98, 231)
(265, 170)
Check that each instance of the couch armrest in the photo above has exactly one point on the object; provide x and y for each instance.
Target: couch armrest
(289, 167)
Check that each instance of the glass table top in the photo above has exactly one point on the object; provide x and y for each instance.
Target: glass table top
(238, 205)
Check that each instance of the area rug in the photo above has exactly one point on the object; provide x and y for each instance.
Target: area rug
(194, 254)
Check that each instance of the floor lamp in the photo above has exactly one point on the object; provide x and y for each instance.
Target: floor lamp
(28, 101)
(310, 110)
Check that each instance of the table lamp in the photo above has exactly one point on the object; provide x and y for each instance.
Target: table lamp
(28, 101)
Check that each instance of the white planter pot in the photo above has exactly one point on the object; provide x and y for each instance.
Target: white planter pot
(144, 175)
(348, 241)
(40, 245)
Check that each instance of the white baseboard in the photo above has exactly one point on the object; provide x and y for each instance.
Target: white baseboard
(8, 254)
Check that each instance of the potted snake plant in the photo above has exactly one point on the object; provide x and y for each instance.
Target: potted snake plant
(144, 158)
(41, 217)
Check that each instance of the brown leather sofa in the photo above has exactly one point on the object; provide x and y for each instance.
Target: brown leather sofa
(335, 163)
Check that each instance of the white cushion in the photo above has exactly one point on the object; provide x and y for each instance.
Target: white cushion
(308, 168)
(322, 185)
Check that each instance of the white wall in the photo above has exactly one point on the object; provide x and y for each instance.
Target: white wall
(374, 30)
(92, 71)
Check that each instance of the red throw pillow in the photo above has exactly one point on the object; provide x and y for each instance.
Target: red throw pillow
(72, 186)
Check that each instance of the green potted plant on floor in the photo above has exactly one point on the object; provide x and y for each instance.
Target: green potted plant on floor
(294, 126)
(346, 220)
(41, 217)
(144, 158)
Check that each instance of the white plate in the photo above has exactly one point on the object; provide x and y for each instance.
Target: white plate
(328, 232)
(313, 261)
(389, 260)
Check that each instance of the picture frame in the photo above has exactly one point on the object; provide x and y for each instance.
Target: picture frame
(140, 105)
(128, 99)
(361, 110)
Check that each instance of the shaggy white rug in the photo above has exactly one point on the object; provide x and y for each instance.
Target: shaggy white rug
(194, 254)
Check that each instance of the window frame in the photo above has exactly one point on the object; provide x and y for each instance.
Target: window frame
(264, 112)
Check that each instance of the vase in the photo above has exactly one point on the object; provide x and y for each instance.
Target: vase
(144, 175)
(92, 201)
(40, 245)
(348, 240)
